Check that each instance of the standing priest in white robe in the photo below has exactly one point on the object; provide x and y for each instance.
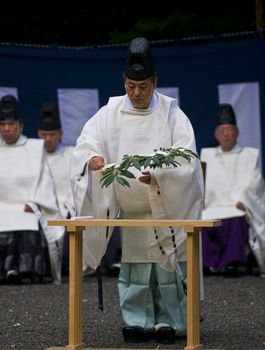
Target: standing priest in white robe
(152, 299)
(235, 193)
(58, 156)
(27, 200)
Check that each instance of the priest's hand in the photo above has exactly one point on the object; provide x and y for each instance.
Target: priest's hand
(146, 178)
(240, 206)
(96, 163)
(28, 209)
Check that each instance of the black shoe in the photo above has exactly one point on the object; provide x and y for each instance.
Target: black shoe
(137, 335)
(37, 279)
(112, 271)
(207, 271)
(181, 334)
(166, 335)
(231, 271)
(13, 278)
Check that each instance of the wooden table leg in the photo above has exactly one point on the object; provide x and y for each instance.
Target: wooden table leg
(193, 290)
(76, 291)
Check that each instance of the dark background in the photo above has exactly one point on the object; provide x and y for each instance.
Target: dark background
(93, 23)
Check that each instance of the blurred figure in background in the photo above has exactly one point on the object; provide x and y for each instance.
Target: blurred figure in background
(235, 193)
(58, 157)
(27, 200)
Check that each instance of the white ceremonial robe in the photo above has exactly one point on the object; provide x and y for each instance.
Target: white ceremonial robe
(26, 179)
(59, 162)
(113, 132)
(233, 177)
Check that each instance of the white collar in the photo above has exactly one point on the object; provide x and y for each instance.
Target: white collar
(20, 142)
(152, 104)
(235, 149)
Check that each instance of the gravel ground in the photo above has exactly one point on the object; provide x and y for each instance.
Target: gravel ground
(35, 317)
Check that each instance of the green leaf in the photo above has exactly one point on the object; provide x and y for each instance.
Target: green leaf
(108, 170)
(156, 160)
(105, 176)
(136, 164)
(126, 163)
(122, 181)
(107, 181)
(127, 174)
(147, 162)
(175, 163)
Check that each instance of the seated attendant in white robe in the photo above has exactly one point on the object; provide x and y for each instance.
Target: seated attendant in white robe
(27, 200)
(235, 193)
(153, 267)
(58, 156)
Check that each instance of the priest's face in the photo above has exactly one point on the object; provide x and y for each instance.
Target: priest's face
(10, 130)
(226, 135)
(140, 92)
(51, 139)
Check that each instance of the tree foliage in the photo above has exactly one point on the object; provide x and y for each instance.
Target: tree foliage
(85, 23)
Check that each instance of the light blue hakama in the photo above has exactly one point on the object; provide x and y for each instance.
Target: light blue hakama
(150, 295)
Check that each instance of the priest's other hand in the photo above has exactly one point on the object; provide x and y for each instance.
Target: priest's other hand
(28, 209)
(240, 206)
(146, 178)
(96, 163)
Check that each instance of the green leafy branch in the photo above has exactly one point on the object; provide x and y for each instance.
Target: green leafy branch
(164, 157)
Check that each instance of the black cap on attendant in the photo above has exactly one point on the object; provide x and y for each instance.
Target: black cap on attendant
(49, 117)
(139, 64)
(9, 108)
(225, 114)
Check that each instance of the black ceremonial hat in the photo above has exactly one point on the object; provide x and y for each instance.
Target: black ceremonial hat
(49, 117)
(9, 108)
(139, 64)
(225, 114)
